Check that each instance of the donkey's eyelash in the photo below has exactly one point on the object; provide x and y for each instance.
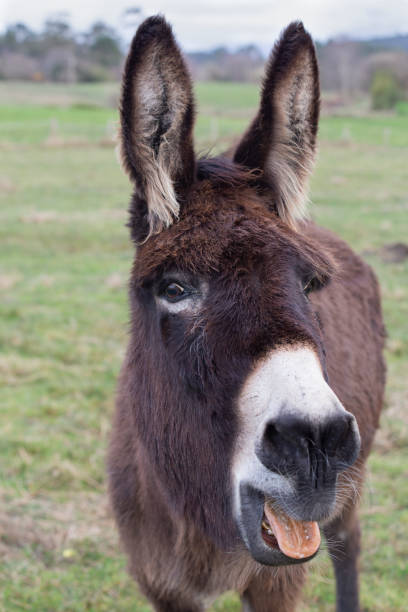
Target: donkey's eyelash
(313, 283)
(165, 282)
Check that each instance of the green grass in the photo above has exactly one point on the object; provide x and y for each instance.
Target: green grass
(58, 94)
(381, 130)
(34, 124)
(402, 107)
(65, 257)
(54, 115)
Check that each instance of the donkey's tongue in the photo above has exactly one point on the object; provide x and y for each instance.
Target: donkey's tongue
(296, 539)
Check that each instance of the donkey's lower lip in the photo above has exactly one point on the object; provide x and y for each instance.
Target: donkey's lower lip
(259, 533)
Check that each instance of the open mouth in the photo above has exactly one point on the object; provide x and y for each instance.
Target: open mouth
(270, 534)
(295, 539)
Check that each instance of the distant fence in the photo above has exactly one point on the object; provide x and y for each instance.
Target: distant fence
(212, 131)
(54, 132)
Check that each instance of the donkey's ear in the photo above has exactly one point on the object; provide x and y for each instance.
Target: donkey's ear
(156, 124)
(282, 138)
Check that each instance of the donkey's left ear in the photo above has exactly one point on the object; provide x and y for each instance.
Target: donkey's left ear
(282, 138)
(156, 125)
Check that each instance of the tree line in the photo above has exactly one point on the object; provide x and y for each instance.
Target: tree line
(57, 53)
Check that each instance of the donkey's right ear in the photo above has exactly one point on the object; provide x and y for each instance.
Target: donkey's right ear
(156, 125)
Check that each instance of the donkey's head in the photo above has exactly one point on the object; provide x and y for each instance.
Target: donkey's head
(236, 419)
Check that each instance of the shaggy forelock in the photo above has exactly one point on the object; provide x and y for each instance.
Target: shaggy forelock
(224, 210)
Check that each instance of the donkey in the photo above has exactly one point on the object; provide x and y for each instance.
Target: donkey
(253, 381)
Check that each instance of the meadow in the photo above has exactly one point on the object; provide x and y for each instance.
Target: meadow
(65, 259)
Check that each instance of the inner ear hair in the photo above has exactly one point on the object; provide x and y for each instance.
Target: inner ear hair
(157, 115)
(282, 138)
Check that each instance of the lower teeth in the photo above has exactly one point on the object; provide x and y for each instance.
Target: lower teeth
(266, 527)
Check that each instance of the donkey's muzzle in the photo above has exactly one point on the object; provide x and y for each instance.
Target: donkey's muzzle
(311, 454)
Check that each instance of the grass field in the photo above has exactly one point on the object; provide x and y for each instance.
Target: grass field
(65, 257)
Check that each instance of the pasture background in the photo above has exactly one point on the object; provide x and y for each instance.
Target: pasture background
(65, 258)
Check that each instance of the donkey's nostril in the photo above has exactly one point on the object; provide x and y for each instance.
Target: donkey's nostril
(289, 427)
(285, 443)
(293, 442)
(335, 433)
(340, 440)
(271, 434)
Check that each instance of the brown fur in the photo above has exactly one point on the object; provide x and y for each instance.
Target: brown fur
(176, 418)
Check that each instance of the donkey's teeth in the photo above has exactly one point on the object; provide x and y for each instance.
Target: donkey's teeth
(296, 539)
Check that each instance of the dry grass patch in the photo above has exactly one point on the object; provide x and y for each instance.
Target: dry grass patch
(51, 527)
(7, 281)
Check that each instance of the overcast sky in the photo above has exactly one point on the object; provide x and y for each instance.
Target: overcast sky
(209, 23)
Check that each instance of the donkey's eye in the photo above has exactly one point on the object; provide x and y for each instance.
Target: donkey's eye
(174, 292)
(310, 285)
